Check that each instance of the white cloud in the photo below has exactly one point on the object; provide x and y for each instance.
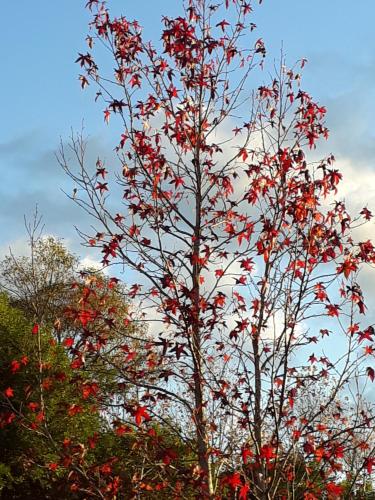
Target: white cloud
(19, 247)
(88, 262)
(358, 184)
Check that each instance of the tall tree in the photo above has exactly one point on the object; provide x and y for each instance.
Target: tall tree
(245, 261)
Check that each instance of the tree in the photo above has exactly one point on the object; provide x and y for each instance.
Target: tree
(40, 284)
(244, 254)
(49, 417)
(32, 416)
(55, 444)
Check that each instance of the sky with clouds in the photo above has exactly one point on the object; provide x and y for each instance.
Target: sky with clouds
(41, 99)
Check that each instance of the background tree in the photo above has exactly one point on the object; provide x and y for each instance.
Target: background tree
(40, 284)
(47, 286)
(33, 422)
(57, 444)
(54, 433)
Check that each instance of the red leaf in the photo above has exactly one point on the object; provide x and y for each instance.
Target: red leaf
(68, 342)
(9, 392)
(35, 329)
(370, 373)
(347, 267)
(33, 406)
(313, 359)
(135, 81)
(243, 153)
(84, 81)
(122, 429)
(141, 414)
(106, 469)
(177, 181)
(243, 493)
(366, 213)
(234, 480)
(107, 115)
(246, 454)
(333, 310)
(222, 24)
(89, 390)
(334, 489)
(369, 463)
(267, 451)
(102, 186)
(24, 360)
(74, 410)
(15, 366)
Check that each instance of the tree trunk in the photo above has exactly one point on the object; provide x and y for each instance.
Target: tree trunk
(199, 417)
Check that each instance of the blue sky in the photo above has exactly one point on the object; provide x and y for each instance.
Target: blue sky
(41, 99)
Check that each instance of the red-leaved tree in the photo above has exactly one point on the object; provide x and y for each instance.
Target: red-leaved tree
(240, 255)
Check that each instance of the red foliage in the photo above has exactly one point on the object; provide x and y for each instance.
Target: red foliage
(238, 248)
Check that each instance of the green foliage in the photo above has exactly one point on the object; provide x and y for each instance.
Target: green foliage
(54, 432)
(39, 407)
(39, 284)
